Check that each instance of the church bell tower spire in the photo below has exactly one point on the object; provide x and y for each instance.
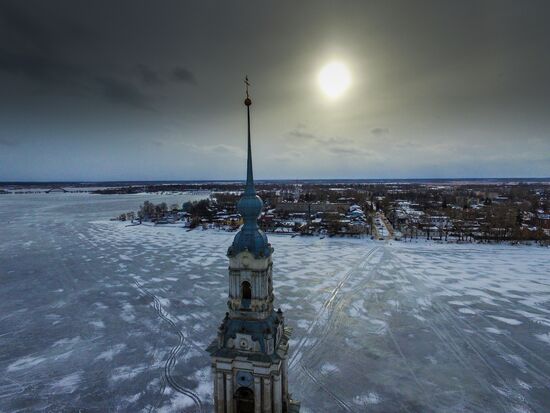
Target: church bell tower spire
(250, 352)
(250, 190)
(250, 237)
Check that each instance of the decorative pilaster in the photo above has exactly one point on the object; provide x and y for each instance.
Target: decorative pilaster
(284, 373)
(220, 393)
(257, 395)
(229, 393)
(267, 395)
(277, 395)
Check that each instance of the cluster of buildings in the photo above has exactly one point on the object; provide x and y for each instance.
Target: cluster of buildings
(297, 218)
(287, 218)
(518, 212)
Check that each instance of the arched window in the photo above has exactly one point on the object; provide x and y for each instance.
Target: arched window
(245, 400)
(246, 294)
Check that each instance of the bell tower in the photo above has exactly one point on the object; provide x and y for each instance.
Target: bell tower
(250, 353)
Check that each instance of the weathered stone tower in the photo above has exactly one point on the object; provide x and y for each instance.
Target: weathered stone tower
(249, 355)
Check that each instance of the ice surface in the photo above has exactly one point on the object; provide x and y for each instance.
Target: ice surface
(94, 314)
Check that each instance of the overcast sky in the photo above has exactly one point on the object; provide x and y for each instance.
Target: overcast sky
(128, 90)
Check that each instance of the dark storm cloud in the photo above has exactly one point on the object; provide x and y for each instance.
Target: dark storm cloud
(304, 136)
(379, 132)
(152, 77)
(7, 142)
(29, 46)
(350, 151)
(301, 134)
(334, 146)
(149, 76)
(41, 58)
(39, 68)
(27, 30)
(122, 92)
(59, 76)
(181, 74)
(426, 76)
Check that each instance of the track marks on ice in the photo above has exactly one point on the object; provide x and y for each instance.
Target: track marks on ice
(324, 324)
(465, 338)
(174, 352)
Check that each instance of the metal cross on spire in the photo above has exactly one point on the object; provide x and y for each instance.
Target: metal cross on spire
(247, 83)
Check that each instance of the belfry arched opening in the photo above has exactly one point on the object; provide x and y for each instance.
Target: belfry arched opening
(244, 398)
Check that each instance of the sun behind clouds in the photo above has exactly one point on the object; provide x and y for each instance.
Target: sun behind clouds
(334, 79)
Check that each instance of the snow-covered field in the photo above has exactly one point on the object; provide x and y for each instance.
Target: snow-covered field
(98, 316)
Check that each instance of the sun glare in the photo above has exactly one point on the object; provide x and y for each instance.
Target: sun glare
(334, 79)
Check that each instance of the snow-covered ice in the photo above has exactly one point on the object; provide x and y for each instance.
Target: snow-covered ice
(93, 311)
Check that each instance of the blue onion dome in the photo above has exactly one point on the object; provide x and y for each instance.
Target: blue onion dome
(250, 237)
(250, 207)
(254, 241)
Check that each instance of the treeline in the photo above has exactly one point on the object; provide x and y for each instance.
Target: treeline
(151, 212)
(199, 209)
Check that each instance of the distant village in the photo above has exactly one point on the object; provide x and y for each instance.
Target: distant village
(481, 212)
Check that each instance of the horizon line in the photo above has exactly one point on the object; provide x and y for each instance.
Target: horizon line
(159, 181)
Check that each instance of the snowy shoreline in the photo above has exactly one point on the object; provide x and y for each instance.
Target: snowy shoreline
(362, 239)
